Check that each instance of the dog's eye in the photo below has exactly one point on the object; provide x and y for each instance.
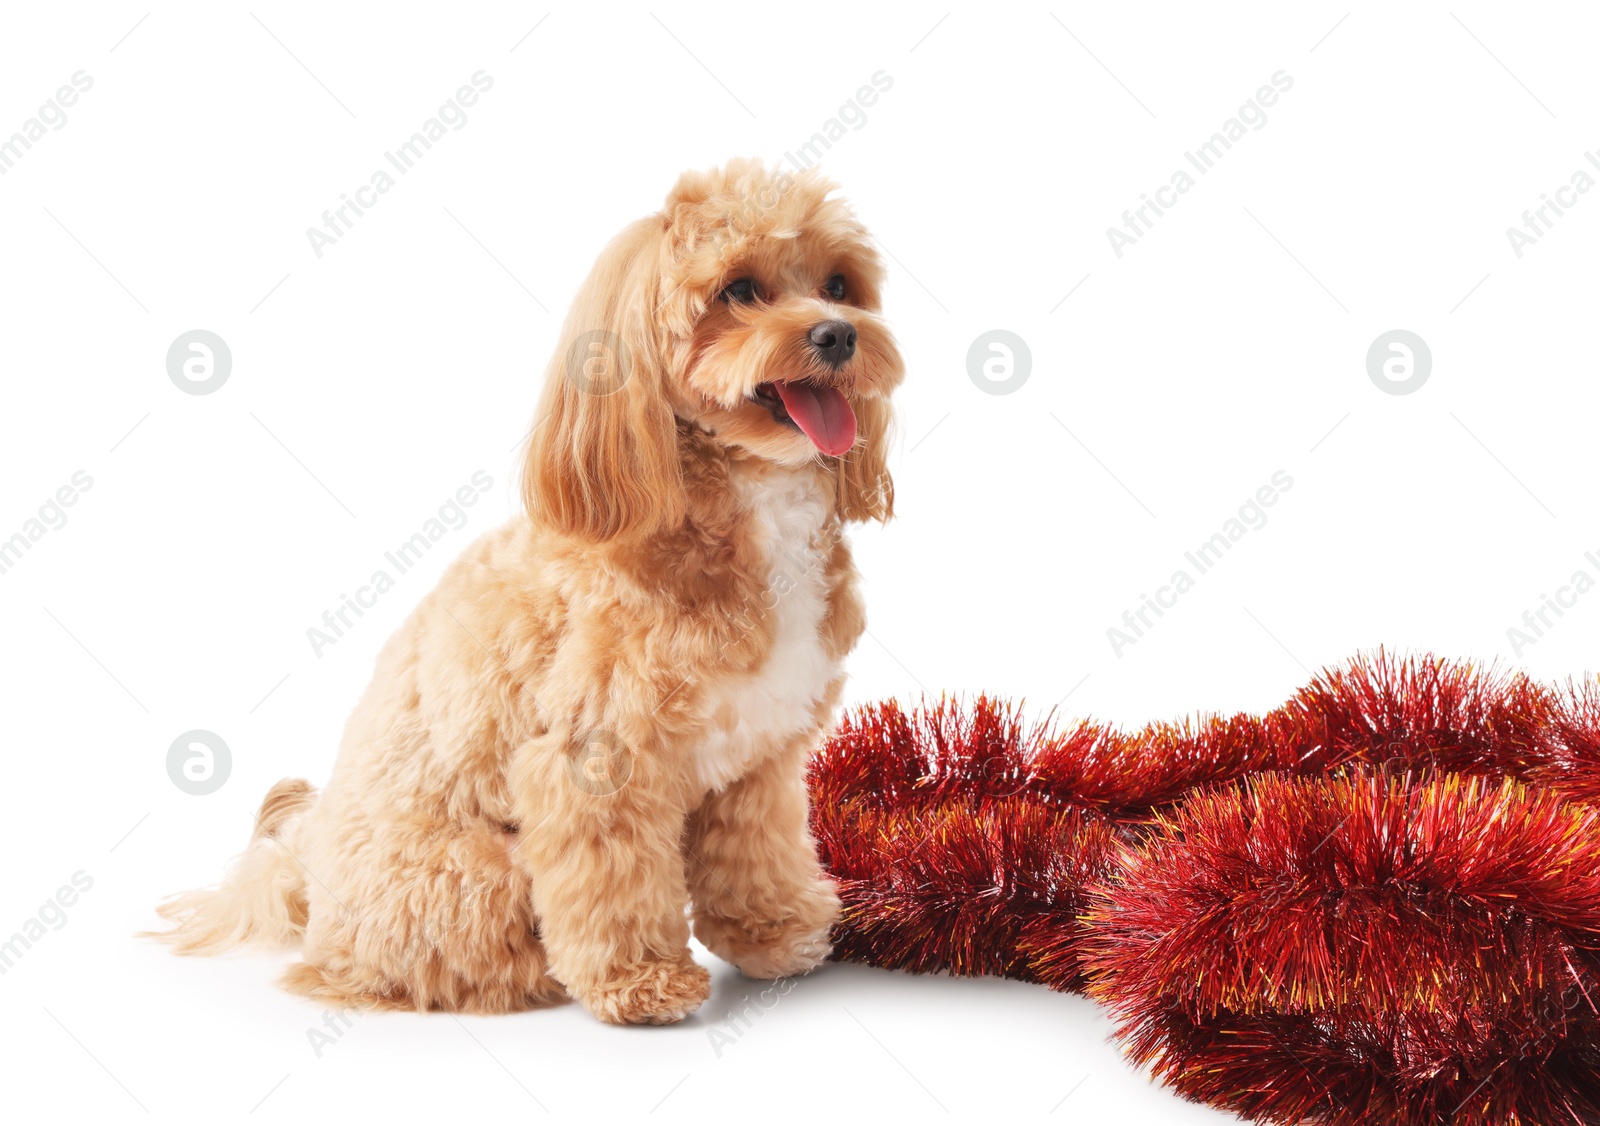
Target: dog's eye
(835, 287)
(741, 292)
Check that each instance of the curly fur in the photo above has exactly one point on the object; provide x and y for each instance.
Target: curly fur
(592, 735)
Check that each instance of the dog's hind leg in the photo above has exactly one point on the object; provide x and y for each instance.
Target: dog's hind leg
(425, 916)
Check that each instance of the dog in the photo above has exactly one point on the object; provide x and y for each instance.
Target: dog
(593, 734)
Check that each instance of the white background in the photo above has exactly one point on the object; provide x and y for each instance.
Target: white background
(369, 384)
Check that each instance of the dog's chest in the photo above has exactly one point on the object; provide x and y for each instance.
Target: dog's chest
(750, 714)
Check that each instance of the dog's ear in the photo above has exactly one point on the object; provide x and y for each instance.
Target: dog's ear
(603, 459)
(865, 489)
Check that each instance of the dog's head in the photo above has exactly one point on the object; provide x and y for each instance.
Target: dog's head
(746, 310)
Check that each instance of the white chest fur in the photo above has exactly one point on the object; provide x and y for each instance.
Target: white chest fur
(751, 714)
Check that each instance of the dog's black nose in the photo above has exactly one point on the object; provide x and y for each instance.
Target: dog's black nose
(835, 341)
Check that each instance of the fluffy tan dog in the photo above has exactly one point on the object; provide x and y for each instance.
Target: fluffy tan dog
(595, 729)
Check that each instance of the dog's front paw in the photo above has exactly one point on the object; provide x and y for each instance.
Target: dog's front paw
(769, 950)
(659, 992)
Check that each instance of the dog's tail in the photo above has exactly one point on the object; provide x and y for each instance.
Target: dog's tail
(262, 899)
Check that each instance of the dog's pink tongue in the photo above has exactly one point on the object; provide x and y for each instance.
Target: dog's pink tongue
(823, 413)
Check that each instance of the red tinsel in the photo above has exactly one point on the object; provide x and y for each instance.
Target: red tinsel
(1378, 903)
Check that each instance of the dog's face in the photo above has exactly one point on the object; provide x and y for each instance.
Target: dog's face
(747, 309)
(788, 349)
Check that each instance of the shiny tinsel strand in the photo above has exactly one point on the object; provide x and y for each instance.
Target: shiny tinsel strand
(1377, 903)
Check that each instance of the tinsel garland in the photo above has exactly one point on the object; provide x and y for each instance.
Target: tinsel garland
(1377, 903)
